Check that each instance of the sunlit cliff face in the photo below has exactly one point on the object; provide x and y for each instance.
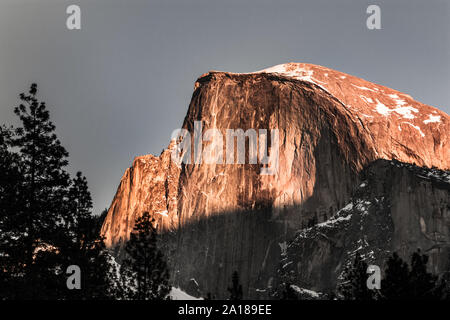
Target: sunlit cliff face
(331, 126)
(367, 121)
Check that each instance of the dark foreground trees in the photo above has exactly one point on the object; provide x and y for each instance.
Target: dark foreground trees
(236, 288)
(410, 282)
(353, 285)
(400, 281)
(144, 272)
(46, 220)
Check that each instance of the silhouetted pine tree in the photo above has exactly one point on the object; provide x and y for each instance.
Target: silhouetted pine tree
(396, 284)
(354, 281)
(99, 220)
(43, 194)
(46, 222)
(10, 201)
(236, 288)
(423, 284)
(444, 286)
(84, 247)
(144, 271)
(403, 282)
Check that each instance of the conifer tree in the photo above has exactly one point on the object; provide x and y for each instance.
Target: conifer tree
(144, 271)
(354, 281)
(414, 282)
(46, 222)
(395, 284)
(10, 201)
(423, 284)
(236, 288)
(444, 286)
(43, 161)
(84, 247)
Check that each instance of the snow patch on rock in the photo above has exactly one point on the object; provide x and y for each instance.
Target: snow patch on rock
(366, 99)
(303, 291)
(417, 128)
(178, 294)
(365, 88)
(382, 109)
(432, 118)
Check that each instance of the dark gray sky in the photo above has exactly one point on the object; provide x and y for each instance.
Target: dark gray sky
(120, 85)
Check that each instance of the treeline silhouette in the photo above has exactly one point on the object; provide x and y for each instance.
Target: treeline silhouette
(47, 224)
(400, 282)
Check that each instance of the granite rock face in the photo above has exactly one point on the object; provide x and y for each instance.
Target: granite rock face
(217, 218)
(150, 184)
(397, 208)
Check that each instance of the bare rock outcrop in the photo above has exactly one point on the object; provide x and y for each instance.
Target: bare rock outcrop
(397, 208)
